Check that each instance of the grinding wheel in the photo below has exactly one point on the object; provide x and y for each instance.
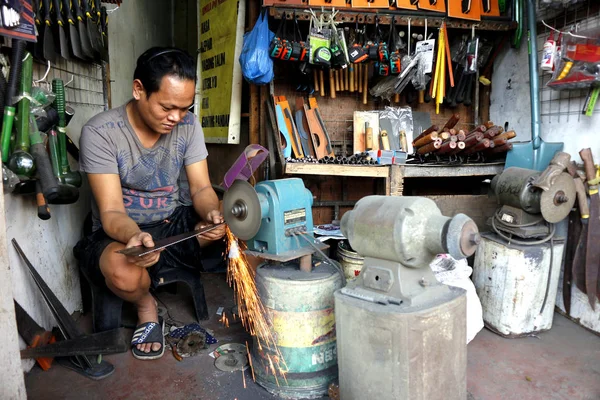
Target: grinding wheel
(232, 357)
(556, 203)
(241, 210)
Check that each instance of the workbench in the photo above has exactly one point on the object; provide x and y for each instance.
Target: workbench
(394, 175)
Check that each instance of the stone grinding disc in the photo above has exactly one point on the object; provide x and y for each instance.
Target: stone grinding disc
(241, 193)
(233, 357)
(552, 210)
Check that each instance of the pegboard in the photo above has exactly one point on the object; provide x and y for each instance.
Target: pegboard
(84, 82)
(560, 106)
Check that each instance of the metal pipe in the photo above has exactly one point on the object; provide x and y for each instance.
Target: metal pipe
(534, 80)
(306, 263)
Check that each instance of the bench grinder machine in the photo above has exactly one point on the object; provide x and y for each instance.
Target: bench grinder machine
(517, 266)
(275, 219)
(401, 334)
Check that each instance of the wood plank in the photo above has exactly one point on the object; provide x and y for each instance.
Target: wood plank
(381, 171)
(443, 171)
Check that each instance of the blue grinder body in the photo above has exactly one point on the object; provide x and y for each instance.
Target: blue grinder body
(286, 209)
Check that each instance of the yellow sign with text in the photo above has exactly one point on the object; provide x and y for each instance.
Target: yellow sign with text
(221, 28)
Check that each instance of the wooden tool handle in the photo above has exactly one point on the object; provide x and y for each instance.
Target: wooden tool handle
(421, 96)
(316, 78)
(365, 84)
(447, 147)
(385, 140)
(359, 77)
(506, 135)
(397, 98)
(588, 163)
(322, 82)
(332, 83)
(425, 139)
(461, 135)
(500, 149)
(427, 132)
(452, 121)
(431, 147)
(369, 139)
(403, 143)
(460, 146)
(336, 77)
(499, 142)
(346, 79)
(351, 67)
(584, 210)
(484, 144)
(489, 124)
(493, 131)
(445, 135)
(480, 128)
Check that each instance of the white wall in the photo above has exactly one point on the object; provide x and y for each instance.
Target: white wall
(135, 27)
(561, 118)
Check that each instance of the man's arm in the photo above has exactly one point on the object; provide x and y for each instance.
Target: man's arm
(109, 198)
(204, 198)
(106, 189)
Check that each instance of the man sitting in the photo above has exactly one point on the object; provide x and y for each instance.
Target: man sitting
(133, 156)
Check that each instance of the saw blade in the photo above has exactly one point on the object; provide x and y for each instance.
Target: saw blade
(138, 251)
(241, 210)
(232, 357)
(556, 203)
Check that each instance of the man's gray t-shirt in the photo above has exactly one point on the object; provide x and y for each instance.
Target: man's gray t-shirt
(149, 176)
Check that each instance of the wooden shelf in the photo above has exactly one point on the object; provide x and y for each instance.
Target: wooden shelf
(368, 171)
(401, 17)
(394, 175)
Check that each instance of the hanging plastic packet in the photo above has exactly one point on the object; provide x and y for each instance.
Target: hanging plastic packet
(426, 49)
(472, 55)
(319, 53)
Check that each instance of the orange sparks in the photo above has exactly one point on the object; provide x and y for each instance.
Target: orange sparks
(251, 311)
(250, 361)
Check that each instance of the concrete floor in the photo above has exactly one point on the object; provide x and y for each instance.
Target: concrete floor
(563, 363)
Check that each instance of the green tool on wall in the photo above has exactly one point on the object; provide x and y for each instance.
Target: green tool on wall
(14, 77)
(20, 161)
(66, 175)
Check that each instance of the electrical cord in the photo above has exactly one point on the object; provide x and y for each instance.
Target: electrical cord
(549, 237)
(510, 239)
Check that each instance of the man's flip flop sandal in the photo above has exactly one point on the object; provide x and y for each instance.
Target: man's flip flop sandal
(149, 332)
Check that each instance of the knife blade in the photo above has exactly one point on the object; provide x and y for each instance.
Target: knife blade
(139, 251)
(592, 257)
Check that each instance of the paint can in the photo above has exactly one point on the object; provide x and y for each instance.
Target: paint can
(350, 260)
(299, 307)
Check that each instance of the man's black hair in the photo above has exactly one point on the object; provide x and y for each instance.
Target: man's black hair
(158, 62)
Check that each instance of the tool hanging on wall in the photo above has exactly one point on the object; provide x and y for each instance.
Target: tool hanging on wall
(465, 9)
(286, 118)
(433, 5)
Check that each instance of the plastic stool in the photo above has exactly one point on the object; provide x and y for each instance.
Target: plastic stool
(107, 307)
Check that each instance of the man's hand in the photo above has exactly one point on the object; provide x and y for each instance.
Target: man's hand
(213, 217)
(148, 260)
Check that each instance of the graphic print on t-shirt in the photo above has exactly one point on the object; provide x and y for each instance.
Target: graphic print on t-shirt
(148, 189)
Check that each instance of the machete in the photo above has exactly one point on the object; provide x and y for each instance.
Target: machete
(592, 257)
(575, 262)
(139, 251)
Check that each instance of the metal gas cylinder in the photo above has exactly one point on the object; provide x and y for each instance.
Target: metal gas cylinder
(299, 306)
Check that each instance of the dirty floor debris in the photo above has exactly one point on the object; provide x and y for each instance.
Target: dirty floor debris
(563, 363)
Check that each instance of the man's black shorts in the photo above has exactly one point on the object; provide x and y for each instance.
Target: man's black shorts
(186, 254)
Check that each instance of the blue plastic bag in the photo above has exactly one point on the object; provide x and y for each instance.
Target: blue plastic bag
(257, 66)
